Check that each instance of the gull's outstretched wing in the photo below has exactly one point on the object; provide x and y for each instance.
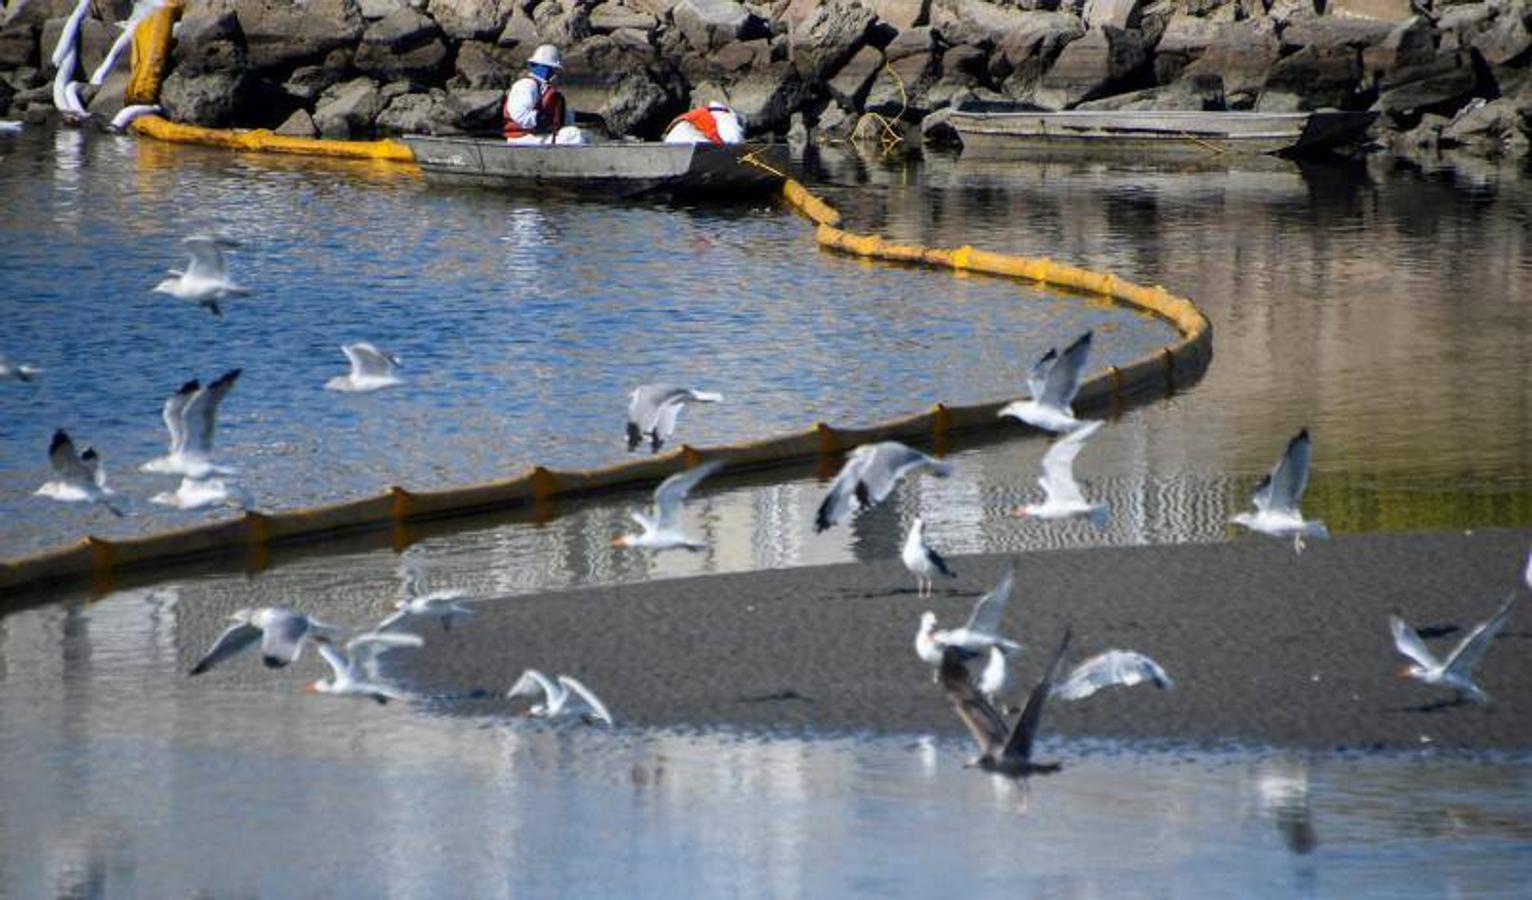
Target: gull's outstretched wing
(987, 611)
(393, 619)
(1467, 655)
(1109, 669)
(201, 413)
(175, 422)
(1058, 480)
(65, 460)
(367, 360)
(206, 258)
(595, 708)
(672, 492)
(1063, 380)
(1408, 642)
(232, 642)
(530, 684)
(1283, 488)
(1019, 746)
(981, 719)
(282, 639)
(339, 663)
(645, 403)
(843, 492)
(364, 648)
(1037, 378)
(890, 461)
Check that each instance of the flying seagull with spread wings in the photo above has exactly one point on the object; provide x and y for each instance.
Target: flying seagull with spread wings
(1053, 383)
(869, 475)
(1277, 497)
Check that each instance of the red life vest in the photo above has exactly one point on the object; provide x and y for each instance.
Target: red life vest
(701, 119)
(550, 115)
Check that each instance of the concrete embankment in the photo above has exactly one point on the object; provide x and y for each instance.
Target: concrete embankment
(1455, 74)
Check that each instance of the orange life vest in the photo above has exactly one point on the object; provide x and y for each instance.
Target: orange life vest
(550, 115)
(701, 119)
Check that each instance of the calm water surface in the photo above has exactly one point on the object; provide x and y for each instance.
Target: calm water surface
(1387, 307)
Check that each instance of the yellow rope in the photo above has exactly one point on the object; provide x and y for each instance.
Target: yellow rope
(890, 137)
(749, 159)
(1209, 146)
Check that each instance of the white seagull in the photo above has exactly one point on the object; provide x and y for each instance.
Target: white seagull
(565, 697)
(205, 492)
(1062, 496)
(206, 280)
(371, 369)
(10, 371)
(1277, 497)
(191, 415)
(981, 632)
(1456, 671)
(922, 561)
(442, 605)
(352, 669)
(653, 408)
(1110, 669)
(663, 531)
(77, 477)
(995, 679)
(869, 476)
(1053, 383)
(281, 632)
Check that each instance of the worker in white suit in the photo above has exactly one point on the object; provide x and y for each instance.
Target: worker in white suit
(715, 123)
(535, 111)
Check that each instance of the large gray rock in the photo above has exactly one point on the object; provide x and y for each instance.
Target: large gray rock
(831, 35)
(213, 98)
(281, 35)
(108, 101)
(94, 42)
(766, 97)
(974, 22)
(915, 60)
(348, 109)
(639, 106)
(473, 111)
(1204, 93)
(1442, 84)
(561, 27)
(902, 14)
(1327, 32)
(520, 32)
(209, 43)
(1508, 39)
(471, 20)
(1241, 56)
(405, 44)
(850, 84)
(415, 114)
(1410, 43)
(606, 18)
(484, 66)
(299, 124)
(1099, 63)
(308, 82)
(727, 62)
(1313, 78)
(35, 12)
(1117, 13)
(709, 24)
(372, 10)
(18, 46)
(1021, 58)
(1486, 125)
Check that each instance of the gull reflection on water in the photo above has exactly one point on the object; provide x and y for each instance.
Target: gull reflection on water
(1283, 789)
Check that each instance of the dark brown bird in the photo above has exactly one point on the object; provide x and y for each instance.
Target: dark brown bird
(1005, 753)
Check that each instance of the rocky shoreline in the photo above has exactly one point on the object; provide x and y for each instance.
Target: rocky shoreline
(1440, 73)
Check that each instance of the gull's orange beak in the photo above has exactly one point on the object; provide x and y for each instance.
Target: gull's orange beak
(1403, 673)
(619, 541)
(311, 688)
(1019, 512)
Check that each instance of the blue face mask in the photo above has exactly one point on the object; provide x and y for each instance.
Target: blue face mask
(542, 72)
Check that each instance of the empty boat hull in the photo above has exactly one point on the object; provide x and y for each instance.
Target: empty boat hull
(1090, 132)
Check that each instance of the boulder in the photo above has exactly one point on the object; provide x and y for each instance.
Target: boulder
(404, 44)
(1241, 56)
(831, 35)
(308, 82)
(766, 96)
(660, 9)
(281, 35)
(465, 110)
(902, 14)
(915, 60)
(1117, 13)
(109, 100)
(1461, 23)
(1442, 84)
(1105, 60)
(209, 43)
(1314, 77)
(35, 13)
(18, 46)
(299, 124)
(850, 84)
(709, 24)
(936, 129)
(561, 27)
(640, 106)
(606, 18)
(1410, 43)
(94, 42)
(1197, 93)
(1021, 58)
(212, 98)
(484, 66)
(1328, 32)
(372, 10)
(726, 61)
(471, 20)
(1483, 124)
(1508, 39)
(415, 114)
(974, 22)
(348, 109)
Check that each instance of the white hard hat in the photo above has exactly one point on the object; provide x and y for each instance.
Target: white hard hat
(546, 55)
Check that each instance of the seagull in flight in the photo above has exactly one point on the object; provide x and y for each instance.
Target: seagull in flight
(281, 632)
(1063, 498)
(77, 477)
(353, 669)
(1110, 669)
(191, 415)
(869, 476)
(977, 636)
(205, 493)
(562, 698)
(442, 605)
(1053, 383)
(653, 408)
(1456, 671)
(10, 371)
(1277, 497)
(663, 531)
(206, 279)
(371, 369)
(1002, 751)
(922, 561)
